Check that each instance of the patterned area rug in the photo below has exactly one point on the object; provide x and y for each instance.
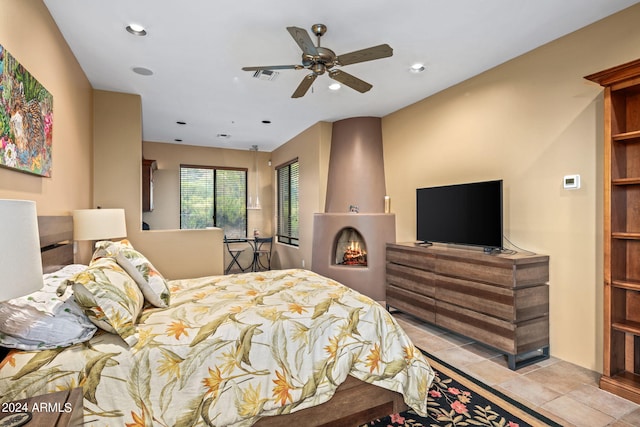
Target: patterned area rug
(457, 399)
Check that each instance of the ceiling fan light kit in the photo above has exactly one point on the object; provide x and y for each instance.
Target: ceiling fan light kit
(320, 60)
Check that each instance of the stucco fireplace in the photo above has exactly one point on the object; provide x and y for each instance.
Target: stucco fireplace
(351, 235)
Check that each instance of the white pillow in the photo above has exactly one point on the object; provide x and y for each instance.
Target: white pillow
(43, 320)
(153, 285)
(109, 297)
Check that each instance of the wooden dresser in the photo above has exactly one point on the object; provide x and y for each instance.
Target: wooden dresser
(498, 300)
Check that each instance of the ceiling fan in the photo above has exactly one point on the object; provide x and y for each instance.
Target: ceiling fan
(319, 60)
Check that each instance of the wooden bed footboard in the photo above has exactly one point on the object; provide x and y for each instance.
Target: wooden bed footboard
(354, 403)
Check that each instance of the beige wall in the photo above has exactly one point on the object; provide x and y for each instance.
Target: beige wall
(529, 122)
(312, 148)
(118, 184)
(28, 32)
(166, 183)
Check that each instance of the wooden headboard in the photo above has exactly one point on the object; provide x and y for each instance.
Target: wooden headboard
(56, 241)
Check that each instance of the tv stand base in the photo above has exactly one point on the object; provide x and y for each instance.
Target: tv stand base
(499, 300)
(516, 361)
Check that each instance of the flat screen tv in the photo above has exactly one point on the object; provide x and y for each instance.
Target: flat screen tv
(463, 214)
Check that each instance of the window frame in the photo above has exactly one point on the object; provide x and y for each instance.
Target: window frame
(287, 239)
(214, 170)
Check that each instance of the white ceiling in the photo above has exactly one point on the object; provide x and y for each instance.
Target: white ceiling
(196, 49)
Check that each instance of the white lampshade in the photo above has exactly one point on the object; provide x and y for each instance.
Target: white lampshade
(20, 259)
(99, 224)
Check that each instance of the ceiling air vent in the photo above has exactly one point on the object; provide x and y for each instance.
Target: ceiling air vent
(265, 74)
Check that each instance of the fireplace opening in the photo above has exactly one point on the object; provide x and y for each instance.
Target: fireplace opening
(350, 248)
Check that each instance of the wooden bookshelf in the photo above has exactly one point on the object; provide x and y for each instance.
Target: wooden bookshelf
(621, 370)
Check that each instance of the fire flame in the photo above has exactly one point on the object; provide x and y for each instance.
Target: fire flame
(354, 255)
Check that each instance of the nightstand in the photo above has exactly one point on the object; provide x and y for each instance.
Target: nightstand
(59, 409)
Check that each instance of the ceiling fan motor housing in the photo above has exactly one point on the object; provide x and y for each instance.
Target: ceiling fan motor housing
(324, 60)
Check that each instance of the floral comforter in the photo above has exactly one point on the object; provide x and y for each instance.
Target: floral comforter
(228, 351)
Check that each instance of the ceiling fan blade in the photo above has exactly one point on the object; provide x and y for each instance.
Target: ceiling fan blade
(274, 67)
(304, 85)
(301, 36)
(349, 80)
(369, 54)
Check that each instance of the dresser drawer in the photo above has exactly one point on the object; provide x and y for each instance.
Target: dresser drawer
(498, 271)
(412, 256)
(500, 334)
(412, 279)
(418, 305)
(513, 305)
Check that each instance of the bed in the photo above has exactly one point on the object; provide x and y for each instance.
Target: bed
(265, 348)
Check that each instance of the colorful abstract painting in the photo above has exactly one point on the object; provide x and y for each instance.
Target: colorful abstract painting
(26, 119)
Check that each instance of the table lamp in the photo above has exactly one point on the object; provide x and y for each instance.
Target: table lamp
(99, 224)
(21, 261)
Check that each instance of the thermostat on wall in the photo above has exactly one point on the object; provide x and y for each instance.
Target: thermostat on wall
(571, 182)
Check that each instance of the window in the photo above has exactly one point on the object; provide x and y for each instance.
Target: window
(214, 197)
(288, 203)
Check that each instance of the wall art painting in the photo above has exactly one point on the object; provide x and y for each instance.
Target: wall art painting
(26, 119)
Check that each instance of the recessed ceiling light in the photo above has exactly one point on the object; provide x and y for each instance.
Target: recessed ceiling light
(142, 71)
(334, 86)
(417, 68)
(136, 30)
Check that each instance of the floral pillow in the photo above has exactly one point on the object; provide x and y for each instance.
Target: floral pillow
(43, 320)
(153, 285)
(109, 297)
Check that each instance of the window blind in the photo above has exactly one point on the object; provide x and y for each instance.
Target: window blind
(196, 197)
(214, 197)
(231, 202)
(288, 196)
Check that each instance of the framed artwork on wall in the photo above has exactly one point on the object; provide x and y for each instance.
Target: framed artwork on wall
(26, 119)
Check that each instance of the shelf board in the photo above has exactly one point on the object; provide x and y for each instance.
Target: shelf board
(626, 235)
(631, 285)
(627, 326)
(626, 181)
(627, 136)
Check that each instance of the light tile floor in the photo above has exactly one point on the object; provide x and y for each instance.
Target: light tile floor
(562, 391)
